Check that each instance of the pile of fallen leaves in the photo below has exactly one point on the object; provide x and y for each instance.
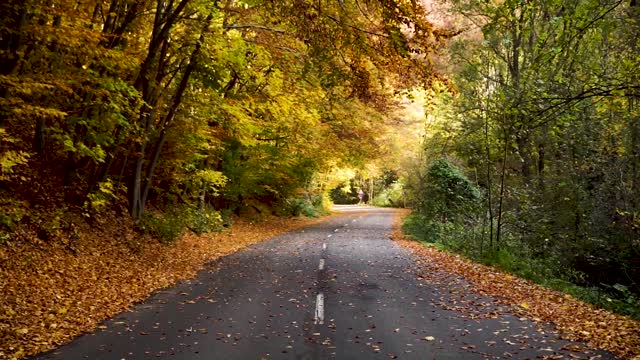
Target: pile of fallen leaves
(574, 319)
(53, 292)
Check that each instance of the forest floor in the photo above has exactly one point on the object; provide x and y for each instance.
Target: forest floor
(574, 319)
(53, 291)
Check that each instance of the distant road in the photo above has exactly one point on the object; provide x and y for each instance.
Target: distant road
(340, 289)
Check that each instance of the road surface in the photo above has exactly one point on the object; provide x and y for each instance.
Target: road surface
(340, 289)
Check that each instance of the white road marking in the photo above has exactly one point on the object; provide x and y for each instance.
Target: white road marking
(328, 236)
(321, 266)
(324, 246)
(336, 230)
(319, 319)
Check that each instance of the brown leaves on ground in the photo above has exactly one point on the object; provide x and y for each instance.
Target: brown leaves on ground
(53, 292)
(575, 319)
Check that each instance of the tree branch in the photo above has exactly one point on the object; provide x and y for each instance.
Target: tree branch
(254, 26)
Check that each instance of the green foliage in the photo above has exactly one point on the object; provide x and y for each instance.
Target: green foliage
(391, 196)
(101, 198)
(414, 226)
(545, 118)
(51, 223)
(515, 259)
(307, 206)
(11, 212)
(167, 226)
(446, 194)
(300, 207)
(345, 193)
(205, 220)
(10, 158)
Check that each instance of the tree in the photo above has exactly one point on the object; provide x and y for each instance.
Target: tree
(544, 115)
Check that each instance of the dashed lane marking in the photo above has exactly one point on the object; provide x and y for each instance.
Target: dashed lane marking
(319, 318)
(321, 266)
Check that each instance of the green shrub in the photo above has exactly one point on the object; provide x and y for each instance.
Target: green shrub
(167, 226)
(11, 212)
(205, 220)
(447, 194)
(301, 207)
(392, 196)
(308, 206)
(419, 228)
(322, 204)
(344, 194)
(226, 215)
(101, 198)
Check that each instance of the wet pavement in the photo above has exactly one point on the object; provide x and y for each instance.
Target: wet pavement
(340, 289)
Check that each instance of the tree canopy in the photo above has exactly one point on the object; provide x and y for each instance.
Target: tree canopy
(544, 118)
(126, 103)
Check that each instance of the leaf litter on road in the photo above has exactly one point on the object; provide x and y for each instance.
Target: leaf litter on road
(574, 319)
(51, 295)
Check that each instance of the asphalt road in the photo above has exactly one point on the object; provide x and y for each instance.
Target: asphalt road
(340, 289)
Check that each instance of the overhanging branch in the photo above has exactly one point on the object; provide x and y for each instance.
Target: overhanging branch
(254, 26)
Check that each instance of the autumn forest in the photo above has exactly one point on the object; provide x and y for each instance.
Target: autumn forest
(510, 128)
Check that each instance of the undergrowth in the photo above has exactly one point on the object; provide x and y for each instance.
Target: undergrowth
(516, 260)
(307, 206)
(169, 225)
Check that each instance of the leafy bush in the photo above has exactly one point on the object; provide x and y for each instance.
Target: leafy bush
(322, 204)
(167, 226)
(226, 215)
(420, 229)
(11, 211)
(204, 220)
(447, 202)
(101, 198)
(301, 207)
(50, 223)
(447, 194)
(392, 196)
(10, 159)
(344, 194)
(309, 206)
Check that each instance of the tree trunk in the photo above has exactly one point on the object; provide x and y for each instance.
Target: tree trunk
(11, 34)
(542, 152)
(39, 137)
(502, 177)
(202, 197)
(140, 191)
(522, 142)
(489, 182)
(145, 83)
